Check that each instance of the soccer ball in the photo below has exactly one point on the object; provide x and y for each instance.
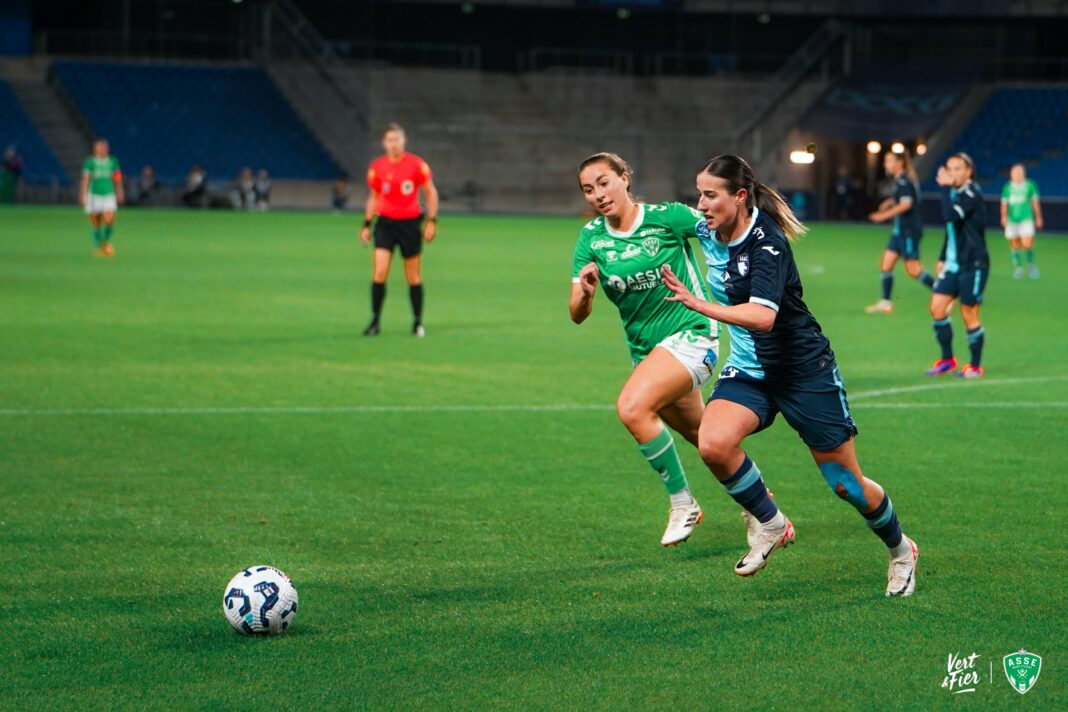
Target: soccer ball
(261, 600)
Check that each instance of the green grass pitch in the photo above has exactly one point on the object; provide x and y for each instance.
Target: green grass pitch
(205, 401)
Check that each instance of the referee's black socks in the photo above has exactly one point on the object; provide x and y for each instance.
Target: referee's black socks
(416, 294)
(378, 295)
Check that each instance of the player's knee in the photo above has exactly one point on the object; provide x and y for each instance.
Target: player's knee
(715, 448)
(631, 410)
(844, 483)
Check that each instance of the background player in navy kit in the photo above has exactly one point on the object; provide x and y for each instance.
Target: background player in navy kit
(780, 361)
(904, 208)
(965, 265)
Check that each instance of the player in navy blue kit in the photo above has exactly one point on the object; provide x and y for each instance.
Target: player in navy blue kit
(780, 361)
(965, 265)
(904, 208)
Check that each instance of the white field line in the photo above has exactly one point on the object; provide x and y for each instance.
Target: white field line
(530, 408)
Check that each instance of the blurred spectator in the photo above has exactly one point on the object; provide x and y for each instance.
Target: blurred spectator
(243, 195)
(147, 186)
(196, 187)
(843, 195)
(339, 194)
(13, 163)
(262, 189)
(10, 175)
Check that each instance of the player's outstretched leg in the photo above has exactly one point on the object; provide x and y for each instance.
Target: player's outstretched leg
(842, 472)
(662, 383)
(724, 425)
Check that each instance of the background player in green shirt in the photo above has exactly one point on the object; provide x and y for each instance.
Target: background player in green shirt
(673, 349)
(101, 193)
(1021, 213)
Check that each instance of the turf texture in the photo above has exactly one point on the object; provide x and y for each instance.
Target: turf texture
(467, 523)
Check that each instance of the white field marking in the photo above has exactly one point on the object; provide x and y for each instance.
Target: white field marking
(950, 406)
(530, 408)
(953, 383)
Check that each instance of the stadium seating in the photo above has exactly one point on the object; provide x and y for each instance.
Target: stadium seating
(1028, 124)
(172, 116)
(40, 165)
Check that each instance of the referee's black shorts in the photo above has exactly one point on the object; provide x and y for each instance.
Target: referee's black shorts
(390, 233)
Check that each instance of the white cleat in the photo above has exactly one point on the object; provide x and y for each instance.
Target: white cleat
(777, 533)
(883, 306)
(752, 525)
(681, 521)
(901, 578)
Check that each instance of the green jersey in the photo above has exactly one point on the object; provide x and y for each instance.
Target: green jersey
(1018, 196)
(102, 172)
(630, 263)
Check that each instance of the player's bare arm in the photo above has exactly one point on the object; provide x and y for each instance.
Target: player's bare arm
(755, 317)
(582, 293)
(894, 209)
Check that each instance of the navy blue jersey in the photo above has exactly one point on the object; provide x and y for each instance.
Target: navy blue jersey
(908, 223)
(965, 216)
(759, 267)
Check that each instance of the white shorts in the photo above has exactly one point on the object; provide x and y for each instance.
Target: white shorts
(100, 204)
(697, 352)
(1025, 228)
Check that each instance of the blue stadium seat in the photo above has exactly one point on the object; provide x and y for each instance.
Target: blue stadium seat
(1028, 124)
(40, 166)
(172, 116)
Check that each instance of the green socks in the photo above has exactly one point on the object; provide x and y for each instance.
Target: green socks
(1016, 261)
(105, 233)
(95, 233)
(1030, 257)
(662, 457)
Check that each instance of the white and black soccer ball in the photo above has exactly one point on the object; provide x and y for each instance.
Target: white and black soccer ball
(261, 600)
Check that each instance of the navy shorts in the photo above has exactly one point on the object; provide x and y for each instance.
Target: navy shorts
(966, 285)
(815, 405)
(908, 246)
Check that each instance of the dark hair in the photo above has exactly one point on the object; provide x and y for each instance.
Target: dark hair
(906, 160)
(393, 126)
(964, 157)
(620, 167)
(739, 176)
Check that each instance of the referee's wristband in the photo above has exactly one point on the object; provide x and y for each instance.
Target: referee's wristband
(367, 222)
(433, 219)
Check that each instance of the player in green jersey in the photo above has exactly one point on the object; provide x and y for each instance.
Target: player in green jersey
(101, 194)
(673, 349)
(1021, 214)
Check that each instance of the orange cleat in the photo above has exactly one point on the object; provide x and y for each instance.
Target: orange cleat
(971, 371)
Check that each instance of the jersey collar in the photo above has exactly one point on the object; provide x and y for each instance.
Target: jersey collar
(745, 235)
(633, 228)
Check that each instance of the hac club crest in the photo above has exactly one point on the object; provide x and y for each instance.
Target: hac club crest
(1022, 668)
(743, 264)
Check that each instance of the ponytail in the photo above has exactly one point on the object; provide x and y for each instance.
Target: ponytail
(739, 176)
(772, 204)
